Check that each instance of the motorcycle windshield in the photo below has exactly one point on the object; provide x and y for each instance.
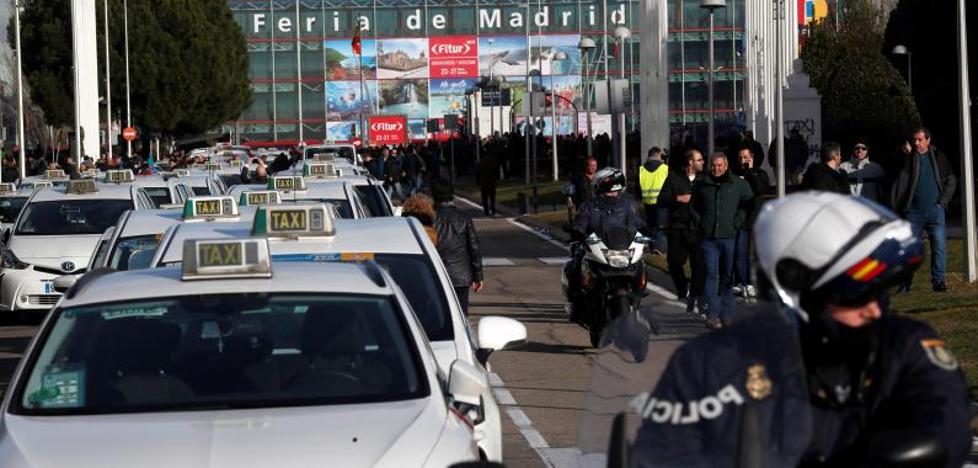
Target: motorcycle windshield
(618, 237)
(714, 403)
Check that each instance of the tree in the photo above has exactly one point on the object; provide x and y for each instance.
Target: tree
(862, 94)
(187, 59)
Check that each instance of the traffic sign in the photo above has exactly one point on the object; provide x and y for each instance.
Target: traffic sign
(357, 142)
(129, 134)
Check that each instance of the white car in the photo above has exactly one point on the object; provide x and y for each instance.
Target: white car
(165, 191)
(132, 242)
(12, 200)
(402, 247)
(204, 183)
(232, 362)
(56, 234)
(345, 151)
(337, 192)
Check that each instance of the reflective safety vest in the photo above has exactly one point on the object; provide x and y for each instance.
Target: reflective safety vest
(651, 183)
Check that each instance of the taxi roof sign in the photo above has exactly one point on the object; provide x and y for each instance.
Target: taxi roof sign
(198, 167)
(287, 183)
(235, 163)
(320, 170)
(291, 221)
(54, 174)
(118, 176)
(37, 183)
(226, 258)
(8, 187)
(182, 172)
(259, 197)
(91, 173)
(325, 157)
(212, 166)
(81, 186)
(210, 207)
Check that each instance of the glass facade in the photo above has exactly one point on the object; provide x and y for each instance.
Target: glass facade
(419, 57)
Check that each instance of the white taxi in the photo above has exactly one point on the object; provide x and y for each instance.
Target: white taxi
(56, 234)
(233, 362)
(50, 176)
(337, 192)
(166, 190)
(303, 233)
(12, 200)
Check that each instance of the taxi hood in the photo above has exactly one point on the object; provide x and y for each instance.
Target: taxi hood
(380, 435)
(53, 251)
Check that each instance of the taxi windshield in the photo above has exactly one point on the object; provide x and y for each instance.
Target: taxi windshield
(10, 207)
(222, 352)
(341, 151)
(343, 207)
(134, 253)
(61, 217)
(160, 195)
(202, 191)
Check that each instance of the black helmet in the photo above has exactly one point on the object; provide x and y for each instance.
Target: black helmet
(609, 180)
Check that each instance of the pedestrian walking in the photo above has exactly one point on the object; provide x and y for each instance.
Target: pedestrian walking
(720, 203)
(825, 174)
(682, 233)
(651, 177)
(760, 185)
(9, 172)
(421, 207)
(458, 243)
(487, 177)
(921, 193)
(583, 183)
(865, 177)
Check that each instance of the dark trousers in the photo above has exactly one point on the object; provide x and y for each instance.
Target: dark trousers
(489, 200)
(684, 244)
(718, 258)
(463, 298)
(932, 221)
(742, 257)
(656, 218)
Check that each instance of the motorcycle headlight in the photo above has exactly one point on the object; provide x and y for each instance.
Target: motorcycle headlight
(9, 260)
(619, 258)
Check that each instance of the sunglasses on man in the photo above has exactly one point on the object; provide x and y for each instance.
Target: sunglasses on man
(860, 148)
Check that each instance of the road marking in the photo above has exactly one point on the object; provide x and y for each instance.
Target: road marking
(496, 261)
(522, 422)
(468, 202)
(554, 260)
(541, 235)
(671, 296)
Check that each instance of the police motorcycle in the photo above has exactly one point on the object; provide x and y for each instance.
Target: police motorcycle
(612, 277)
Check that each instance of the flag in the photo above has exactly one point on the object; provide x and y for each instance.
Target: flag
(355, 43)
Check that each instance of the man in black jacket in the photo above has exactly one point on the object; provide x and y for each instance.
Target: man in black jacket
(760, 184)
(921, 193)
(682, 235)
(825, 174)
(458, 243)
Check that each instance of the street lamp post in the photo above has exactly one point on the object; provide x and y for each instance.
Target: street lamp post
(21, 136)
(108, 83)
(492, 103)
(557, 57)
(968, 174)
(902, 50)
(711, 6)
(125, 23)
(587, 45)
(622, 33)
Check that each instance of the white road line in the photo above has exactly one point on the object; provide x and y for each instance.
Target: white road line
(541, 235)
(554, 260)
(523, 423)
(496, 261)
(468, 202)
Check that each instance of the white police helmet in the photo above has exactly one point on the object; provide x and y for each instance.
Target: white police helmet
(832, 248)
(609, 180)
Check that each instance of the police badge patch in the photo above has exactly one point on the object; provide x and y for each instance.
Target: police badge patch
(758, 384)
(939, 355)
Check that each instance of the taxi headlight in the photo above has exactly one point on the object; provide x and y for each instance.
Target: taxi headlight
(619, 258)
(9, 260)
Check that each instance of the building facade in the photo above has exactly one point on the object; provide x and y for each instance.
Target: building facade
(423, 59)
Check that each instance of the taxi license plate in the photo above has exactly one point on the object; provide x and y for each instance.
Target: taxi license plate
(48, 287)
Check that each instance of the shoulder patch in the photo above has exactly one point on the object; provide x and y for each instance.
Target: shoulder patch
(758, 384)
(939, 355)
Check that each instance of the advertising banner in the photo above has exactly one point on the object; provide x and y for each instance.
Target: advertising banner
(342, 64)
(345, 100)
(388, 130)
(404, 97)
(340, 131)
(448, 96)
(504, 55)
(453, 57)
(402, 58)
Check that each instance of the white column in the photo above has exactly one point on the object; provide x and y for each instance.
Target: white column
(85, 48)
(654, 81)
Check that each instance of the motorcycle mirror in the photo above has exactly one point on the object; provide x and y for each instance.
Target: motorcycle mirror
(643, 240)
(907, 448)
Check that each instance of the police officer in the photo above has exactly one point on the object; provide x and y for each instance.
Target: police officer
(609, 207)
(651, 178)
(824, 375)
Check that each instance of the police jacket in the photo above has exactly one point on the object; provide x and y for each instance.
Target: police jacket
(746, 387)
(458, 245)
(601, 211)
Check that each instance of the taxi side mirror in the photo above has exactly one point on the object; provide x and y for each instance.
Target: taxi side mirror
(466, 383)
(497, 334)
(63, 283)
(398, 210)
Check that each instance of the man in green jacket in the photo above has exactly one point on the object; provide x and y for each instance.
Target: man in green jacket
(720, 204)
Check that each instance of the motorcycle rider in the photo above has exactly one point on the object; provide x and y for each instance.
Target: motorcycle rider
(610, 206)
(824, 374)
